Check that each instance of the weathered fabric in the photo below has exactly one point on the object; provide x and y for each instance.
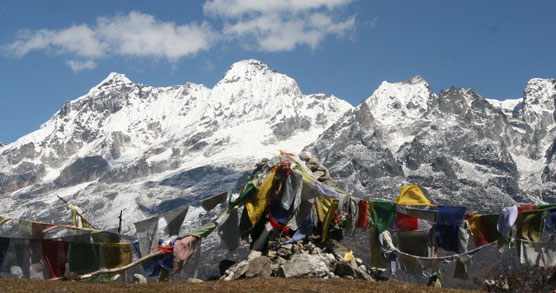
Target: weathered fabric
(540, 254)
(484, 229)
(33, 230)
(203, 231)
(105, 237)
(448, 221)
(526, 208)
(116, 254)
(304, 207)
(550, 221)
(461, 271)
(211, 202)
(305, 230)
(383, 214)
(374, 245)
(228, 229)
(17, 256)
(387, 257)
(323, 204)
(328, 220)
(412, 195)
(351, 213)
(147, 234)
(4, 244)
(174, 220)
(326, 191)
(362, 214)
(292, 190)
(529, 225)
(406, 223)
(246, 193)
(425, 213)
(83, 258)
(55, 253)
(417, 243)
(506, 220)
(38, 269)
(77, 219)
(256, 204)
(464, 231)
(259, 240)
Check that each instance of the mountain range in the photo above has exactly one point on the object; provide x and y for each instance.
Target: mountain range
(146, 150)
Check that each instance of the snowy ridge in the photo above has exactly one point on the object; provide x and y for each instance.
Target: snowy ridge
(142, 146)
(396, 104)
(460, 147)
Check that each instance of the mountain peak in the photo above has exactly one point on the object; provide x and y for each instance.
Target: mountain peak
(114, 78)
(406, 100)
(246, 69)
(415, 80)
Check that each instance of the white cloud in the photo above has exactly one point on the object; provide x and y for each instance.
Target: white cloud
(78, 40)
(142, 35)
(270, 25)
(280, 25)
(81, 65)
(136, 34)
(238, 8)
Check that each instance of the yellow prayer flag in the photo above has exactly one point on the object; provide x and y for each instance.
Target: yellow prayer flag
(411, 195)
(255, 205)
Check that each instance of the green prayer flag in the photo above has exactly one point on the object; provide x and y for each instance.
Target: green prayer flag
(83, 258)
(203, 231)
(383, 213)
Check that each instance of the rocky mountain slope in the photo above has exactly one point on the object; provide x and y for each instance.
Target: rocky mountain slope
(461, 148)
(147, 150)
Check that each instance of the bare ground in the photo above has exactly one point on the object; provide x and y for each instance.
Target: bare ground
(246, 285)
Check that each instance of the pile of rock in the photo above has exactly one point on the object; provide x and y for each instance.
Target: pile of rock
(300, 259)
(319, 170)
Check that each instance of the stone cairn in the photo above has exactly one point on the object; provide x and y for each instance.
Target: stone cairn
(299, 259)
(304, 258)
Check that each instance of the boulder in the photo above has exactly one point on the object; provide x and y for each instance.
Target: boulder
(305, 264)
(259, 267)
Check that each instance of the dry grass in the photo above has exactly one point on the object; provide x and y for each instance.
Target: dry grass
(247, 285)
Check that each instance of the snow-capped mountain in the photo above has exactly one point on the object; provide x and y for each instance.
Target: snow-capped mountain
(461, 148)
(148, 150)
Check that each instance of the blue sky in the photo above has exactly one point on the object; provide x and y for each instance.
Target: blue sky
(53, 51)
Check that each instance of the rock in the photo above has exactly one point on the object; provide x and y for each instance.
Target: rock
(17, 271)
(336, 248)
(283, 252)
(318, 174)
(259, 267)
(362, 274)
(271, 254)
(115, 277)
(253, 254)
(305, 156)
(237, 271)
(298, 265)
(281, 261)
(194, 281)
(344, 269)
(321, 270)
(139, 279)
(358, 261)
(287, 246)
